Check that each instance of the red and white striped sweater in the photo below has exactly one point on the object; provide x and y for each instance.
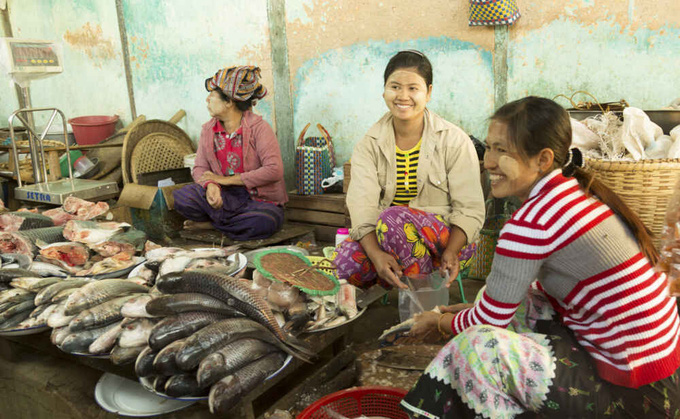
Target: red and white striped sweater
(591, 269)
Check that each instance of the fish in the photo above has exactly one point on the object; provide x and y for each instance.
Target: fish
(136, 307)
(22, 220)
(48, 269)
(235, 293)
(58, 318)
(167, 305)
(217, 335)
(230, 359)
(83, 209)
(144, 362)
(23, 242)
(17, 308)
(296, 323)
(183, 385)
(46, 313)
(159, 383)
(179, 326)
(227, 392)
(13, 321)
(122, 356)
(165, 362)
(59, 334)
(91, 232)
(7, 275)
(79, 342)
(15, 295)
(111, 264)
(130, 241)
(45, 294)
(70, 253)
(98, 292)
(105, 342)
(34, 284)
(100, 315)
(23, 261)
(63, 295)
(135, 333)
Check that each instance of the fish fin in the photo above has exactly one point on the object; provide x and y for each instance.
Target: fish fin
(41, 243)
(299, 346)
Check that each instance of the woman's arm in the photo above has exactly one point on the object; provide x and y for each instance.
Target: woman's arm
(363, 194)
(386, 265)
(269, 154)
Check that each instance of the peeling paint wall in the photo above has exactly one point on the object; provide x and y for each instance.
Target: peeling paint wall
(337, 52)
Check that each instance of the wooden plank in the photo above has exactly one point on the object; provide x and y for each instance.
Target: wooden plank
(325, 233)
(288, 231)
(326, 202)
(316, 217)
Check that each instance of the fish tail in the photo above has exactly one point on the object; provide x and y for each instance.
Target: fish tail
(299, 346)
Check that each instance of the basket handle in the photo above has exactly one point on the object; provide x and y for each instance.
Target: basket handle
(327, 137)
(302, 135)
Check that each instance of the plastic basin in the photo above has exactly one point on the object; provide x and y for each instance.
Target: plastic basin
(93, 129)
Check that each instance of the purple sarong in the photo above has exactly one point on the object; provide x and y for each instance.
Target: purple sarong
(240, 218)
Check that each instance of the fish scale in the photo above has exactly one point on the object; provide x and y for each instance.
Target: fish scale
(229, 359)
(229, 290)
(228, 391)
(45, 295)
(180, 326)
(48, 235)
(170, 304)
(31, 220)
(100, 315)
(98, 292)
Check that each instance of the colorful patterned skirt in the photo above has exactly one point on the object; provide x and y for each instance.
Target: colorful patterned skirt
(415, 238)
(490, 372)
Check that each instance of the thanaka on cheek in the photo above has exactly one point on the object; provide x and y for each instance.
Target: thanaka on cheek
(509, 167)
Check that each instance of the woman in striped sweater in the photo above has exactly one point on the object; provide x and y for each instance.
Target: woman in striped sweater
(574, 321)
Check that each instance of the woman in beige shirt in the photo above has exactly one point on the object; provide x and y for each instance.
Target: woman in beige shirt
(415, 199)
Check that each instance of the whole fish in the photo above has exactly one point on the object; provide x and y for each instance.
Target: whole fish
(13, 321)
(136, 307)
(135, 333)
(34, 284)
(27, 305)
(48, 269)
(7, 275)
(70, 253)
(131, 241)
(63, 295)
(98, 292)
(100, 315)
(159, 383)
(235, 293)
(58, 318)
(165, 362)
(24, 261)
(15, 295)
(79, 342)
(122, 356)
(45, 295)
(110, 264)
(227, 392)
(230, 359)
(59, 334)
(183, 385)
(218, 335)
(104, 343)
(46, 313)
(167, 305)
(37, 311)
(23, 220)
(179, 326)
(144, 362)
(91, 232)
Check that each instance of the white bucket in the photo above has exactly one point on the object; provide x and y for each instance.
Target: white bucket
(189, 161)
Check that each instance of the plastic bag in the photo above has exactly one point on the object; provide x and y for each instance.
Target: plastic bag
(674, 150)
(669, 261)
(659, 148)
(582, 137)
(639, 132)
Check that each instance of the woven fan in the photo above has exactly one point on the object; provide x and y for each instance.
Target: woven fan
(295, 269)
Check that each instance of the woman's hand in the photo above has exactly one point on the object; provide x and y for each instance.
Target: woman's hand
(387, 268)
(450, 264)
(213, 194)
(455, 308)
(425, 327)
(208, 175)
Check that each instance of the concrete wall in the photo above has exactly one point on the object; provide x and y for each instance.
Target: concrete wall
(329, 56)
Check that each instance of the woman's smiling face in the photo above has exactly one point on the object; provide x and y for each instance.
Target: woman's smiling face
(406, 94)
(509, 173)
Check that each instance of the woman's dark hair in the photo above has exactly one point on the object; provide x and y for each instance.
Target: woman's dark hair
(535, 123)
(241, 105)
(410, 59)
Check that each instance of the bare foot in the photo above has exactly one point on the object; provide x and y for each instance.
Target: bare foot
(197, 225)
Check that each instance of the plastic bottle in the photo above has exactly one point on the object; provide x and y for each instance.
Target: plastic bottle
(340, 235)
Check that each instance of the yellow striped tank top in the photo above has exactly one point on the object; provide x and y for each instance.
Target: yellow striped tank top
(407, 169)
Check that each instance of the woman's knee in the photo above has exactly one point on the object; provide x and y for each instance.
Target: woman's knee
(391, 213)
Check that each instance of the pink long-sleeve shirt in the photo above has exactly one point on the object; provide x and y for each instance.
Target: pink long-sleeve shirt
(263, 175)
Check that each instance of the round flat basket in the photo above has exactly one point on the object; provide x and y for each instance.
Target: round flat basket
(296, 270)
(141, 130)
(646, 186)
(159, 151)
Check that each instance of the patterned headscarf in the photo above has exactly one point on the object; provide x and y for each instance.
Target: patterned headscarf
(237, 83)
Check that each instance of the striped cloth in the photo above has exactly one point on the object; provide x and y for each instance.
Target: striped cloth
(621, 313)
(238, 83)
(407, 171)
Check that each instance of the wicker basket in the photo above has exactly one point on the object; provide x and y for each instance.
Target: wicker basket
(646, 186)
(157, 152)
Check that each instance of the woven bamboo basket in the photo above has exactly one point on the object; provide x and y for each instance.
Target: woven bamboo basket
(646, 186)
(157, 152)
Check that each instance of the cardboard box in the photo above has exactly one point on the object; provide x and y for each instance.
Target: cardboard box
(151, 209)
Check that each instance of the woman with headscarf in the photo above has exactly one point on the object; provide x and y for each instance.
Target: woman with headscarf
(239, 187)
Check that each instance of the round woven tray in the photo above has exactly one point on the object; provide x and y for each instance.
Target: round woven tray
(138, 132)
(157, 152)
(646, 186)
(296, 270)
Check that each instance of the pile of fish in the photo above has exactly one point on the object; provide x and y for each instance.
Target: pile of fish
(17, 299)
(76, 209)
(299, 312)
(214, 336)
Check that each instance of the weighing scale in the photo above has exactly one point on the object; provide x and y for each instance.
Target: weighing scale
(26, 60)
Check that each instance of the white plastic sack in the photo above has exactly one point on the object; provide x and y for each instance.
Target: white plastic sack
(658, 149)
(582, 137)
(674, 150)
(639, 132)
